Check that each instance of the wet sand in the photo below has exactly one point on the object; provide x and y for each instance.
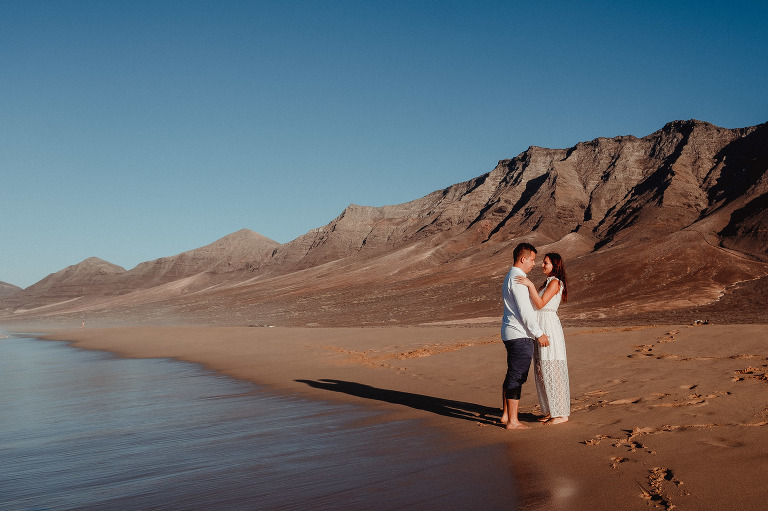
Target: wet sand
(662, 416)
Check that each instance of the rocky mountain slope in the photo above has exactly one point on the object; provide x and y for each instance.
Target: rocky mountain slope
(7, 290)
(234, 252)
(95, 278)
(667, 222)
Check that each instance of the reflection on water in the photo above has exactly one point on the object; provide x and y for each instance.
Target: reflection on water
(85, 430)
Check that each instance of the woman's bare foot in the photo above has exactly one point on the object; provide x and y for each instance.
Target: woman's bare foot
(516, 425)
(558, 420)
(504, 419)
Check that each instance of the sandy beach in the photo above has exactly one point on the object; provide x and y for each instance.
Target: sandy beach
(662, 417)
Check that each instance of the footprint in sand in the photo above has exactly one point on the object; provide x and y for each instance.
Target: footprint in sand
(690, 402)
(724, 442)
(632, 444)
(692, 399)
(647, 349)
(617, 460)
(589, 400)
(627, 401)
(629, 442)
(658, 478)
(644, 348)
(668, 337)
(595, 441)
(752, 373)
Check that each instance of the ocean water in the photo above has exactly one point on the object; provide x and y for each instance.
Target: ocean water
(88, 430)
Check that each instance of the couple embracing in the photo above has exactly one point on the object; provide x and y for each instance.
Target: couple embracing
(531, 330)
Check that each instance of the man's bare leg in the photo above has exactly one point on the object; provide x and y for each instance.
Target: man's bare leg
(512, 406)
(504, 410)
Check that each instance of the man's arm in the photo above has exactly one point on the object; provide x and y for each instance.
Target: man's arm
(527, 314)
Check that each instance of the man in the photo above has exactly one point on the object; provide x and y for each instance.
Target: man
(519, 330)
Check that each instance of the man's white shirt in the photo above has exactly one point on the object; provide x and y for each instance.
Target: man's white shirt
(519, 316)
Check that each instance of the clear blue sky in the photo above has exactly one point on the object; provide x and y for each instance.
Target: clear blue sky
(136, 130)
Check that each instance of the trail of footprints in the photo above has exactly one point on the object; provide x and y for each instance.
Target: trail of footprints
(661, 481)
(657, 479)
(646, 350)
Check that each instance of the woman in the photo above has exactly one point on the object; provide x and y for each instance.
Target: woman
(550, 364)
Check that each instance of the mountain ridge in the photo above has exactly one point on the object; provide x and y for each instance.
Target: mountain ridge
(7, 290)
(690, 187)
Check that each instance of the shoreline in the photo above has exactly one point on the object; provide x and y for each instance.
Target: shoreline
(661, 415)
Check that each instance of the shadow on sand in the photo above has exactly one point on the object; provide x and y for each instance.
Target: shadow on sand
(445, 407)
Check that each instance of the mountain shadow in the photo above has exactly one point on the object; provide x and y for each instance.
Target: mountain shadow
(744, 161)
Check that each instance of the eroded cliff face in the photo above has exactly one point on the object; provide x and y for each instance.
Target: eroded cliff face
(611, 189)
(606, 190)
(372, 230)
(741, 191)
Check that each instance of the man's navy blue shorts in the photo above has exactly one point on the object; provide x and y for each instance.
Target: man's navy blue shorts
(519, 356)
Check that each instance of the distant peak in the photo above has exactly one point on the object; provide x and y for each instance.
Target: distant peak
(92, 260)
(243, 233)
(95, 262)
(246, 234)
(685, 125)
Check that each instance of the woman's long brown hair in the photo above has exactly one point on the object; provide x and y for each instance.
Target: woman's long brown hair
(558, 271)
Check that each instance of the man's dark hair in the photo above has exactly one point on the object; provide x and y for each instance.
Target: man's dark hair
(521, 249)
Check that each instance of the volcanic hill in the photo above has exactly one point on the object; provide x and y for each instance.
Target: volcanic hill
(669, 227)
(7, 289)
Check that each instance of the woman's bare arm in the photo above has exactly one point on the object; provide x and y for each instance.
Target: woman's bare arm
(540, 301)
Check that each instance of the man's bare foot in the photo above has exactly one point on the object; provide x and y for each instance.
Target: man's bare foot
(516, 425)
(546, 418)
(504, 419)
(558, 420)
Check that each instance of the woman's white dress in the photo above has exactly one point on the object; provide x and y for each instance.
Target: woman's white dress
(550, 365)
